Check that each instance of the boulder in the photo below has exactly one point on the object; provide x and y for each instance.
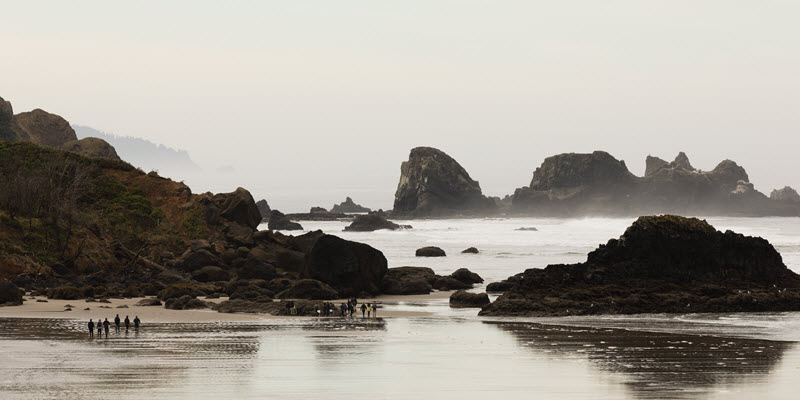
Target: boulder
(408, 280)
(430, 251)
(466, 276)
(309, 289)
(349, 207)
(179, 290)
(185, 303)
(434, 184)
(46, 129)
(239, 234)
(661, 264)
(210, 274)
(10, 294)
(447, 283)
(148, 302)
(372, 222)
(471, 250)
(351, 268)
(462, 298)
(194, 260)
(279, 221)
(254, 268)
(263, 209)
(238, 206)
(787, 194)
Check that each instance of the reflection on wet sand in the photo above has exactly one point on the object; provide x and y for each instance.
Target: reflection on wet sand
(656, 365)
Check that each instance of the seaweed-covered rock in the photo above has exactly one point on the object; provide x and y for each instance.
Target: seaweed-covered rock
(434, 184)
(662, 264)
(430, 251)
(462, 298)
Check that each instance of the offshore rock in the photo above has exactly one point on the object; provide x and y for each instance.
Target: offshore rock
(408, 280)
(263, 209)
(462, 298)
(434, 184)
(372, 222)
(349, 207)
(430, 251)
(787, 194)
(279, 221)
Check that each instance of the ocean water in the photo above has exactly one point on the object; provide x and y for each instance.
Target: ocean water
(450, 353)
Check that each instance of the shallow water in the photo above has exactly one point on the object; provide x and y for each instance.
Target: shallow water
(451, 354)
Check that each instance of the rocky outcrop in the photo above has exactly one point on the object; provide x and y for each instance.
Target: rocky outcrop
(373, 222)
(9, 128)
(349, 207)
(787, 194)
(430, 251)
(447, 283)
(46, 129)
(309, 289)
(351, 268)
(464, 299)
(598, 184)
(433, 184)
(279, 221)
(318, 214)
(263, 209)
(471, 250)
(466, 276)
(664, 264)
(422, 280)
(91, 147)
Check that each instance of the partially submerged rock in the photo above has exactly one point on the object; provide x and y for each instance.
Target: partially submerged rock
(279, 221)
(349, 207)
(430, 251)
(471, 250)
(372, 222)
(408, 280)
(663, 264)
(462, 298)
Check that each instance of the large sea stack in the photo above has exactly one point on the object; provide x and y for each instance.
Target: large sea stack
(662, 264)
(433, 184)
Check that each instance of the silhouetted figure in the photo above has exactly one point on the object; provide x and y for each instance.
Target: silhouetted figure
(363, 310)
(343, 309)
(136, 322)
(127, 323)
(91, 328)
(106, 326)
(99, 328)
(375, 310)
(369, 310)
(316, 309)
(116, 323)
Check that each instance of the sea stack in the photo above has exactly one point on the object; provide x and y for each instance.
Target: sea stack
(433, 184)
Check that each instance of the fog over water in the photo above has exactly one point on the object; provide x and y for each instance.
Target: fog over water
(305, 103)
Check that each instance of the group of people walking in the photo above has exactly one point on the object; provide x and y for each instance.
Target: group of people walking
(368, 310)
(105, 325)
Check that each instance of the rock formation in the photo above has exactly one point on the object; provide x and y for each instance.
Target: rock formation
(463, 299)
(661, 264)
(470, 250)
(263, 209)
(372, 222)
(318, 214)
(430, 251)
(349, 207)
(422, 280)
(50, 130)
(598, 184)
(10, 294)
(351, 268)
(279, 221)
(786, 194)
(433, 184)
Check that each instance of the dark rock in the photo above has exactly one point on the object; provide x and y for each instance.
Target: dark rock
(185, 303)
(471, 250)
(263, 209)
(317, 214)
(254, 268)
(45, 129)
(349, 207)
(430, 251)
(148, 302)
(250, 291)
(309, 289)
(238, 206)
(664, 264)
(239, 234)
(408, 280)
(302, 307)
(372, 222)
(210, 274)
(462, 298)
(434, 184)
(447, 283)
(653, 164)
(65, 293)
(279, 221)
(466, 276)
(10, 294)
(123, 306)
(786, 194)
(175, 291)
(194, 260)
(351, 268)
(527, 229)
(682, 161)
(200, 244)
(91, 147)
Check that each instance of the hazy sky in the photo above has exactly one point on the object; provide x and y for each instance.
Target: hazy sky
(304, 102)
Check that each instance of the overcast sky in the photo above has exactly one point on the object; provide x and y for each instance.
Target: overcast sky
(305, 102)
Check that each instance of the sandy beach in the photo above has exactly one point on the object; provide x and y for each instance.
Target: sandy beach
(81, 309)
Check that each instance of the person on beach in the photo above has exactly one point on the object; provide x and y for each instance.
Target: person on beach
(99, 328)
(363, 310)
(375, 310)
(127, 323)
(369, 310)
(330, 309)
(316, 309)
(343, 309)
(116, 323)
(91, 328)
(136, 322)
(106, 324)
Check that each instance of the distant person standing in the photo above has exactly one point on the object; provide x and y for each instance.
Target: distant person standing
(316, 309)
(106, 326)
(91, 328)
(375, 310)
(99, 328)
(116, 323)
(369, 310)
(363, 310)
(127, 323)
(343, 309)
(136, 322)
